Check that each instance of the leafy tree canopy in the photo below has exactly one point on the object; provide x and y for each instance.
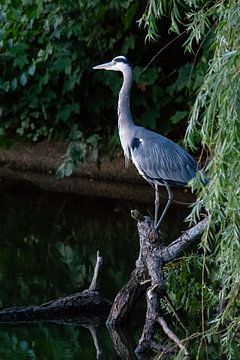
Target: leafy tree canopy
(48, 88)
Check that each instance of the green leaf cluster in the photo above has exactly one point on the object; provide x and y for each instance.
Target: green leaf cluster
(47, 50)
(47, 86)
(79, 149)
(215, 121)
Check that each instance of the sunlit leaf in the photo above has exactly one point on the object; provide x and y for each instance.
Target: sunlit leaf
(32, 69)
(23, 79)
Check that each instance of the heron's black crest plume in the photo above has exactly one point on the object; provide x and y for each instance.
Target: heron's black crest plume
(122, 59)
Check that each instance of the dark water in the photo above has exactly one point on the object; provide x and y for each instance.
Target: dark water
(48, 244)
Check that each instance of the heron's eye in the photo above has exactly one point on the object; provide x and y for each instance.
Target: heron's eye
(114, 62)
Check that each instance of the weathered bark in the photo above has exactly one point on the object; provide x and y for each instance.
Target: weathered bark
(149, 274)
(127, 297)
(123, 343)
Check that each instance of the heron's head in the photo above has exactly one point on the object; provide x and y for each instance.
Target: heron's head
(119, 63)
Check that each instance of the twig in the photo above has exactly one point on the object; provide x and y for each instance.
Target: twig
(172, 335)
(168, 300)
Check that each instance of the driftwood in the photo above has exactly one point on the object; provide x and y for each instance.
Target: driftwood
(88, 307)
(84, 307)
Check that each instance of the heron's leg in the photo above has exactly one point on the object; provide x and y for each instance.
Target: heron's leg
(156, 205)
(169, 202)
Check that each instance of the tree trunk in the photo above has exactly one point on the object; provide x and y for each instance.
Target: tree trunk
(148, 276)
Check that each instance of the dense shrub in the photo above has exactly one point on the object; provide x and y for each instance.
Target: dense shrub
(47, 87)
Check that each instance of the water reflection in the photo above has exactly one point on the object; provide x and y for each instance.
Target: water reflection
(52, 341)
(48, 249)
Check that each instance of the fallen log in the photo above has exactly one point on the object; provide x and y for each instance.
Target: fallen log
(87, 306)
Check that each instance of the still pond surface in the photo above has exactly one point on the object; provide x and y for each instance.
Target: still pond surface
(48, 248)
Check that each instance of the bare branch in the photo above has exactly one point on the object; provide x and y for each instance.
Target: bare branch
(171, 335)
(169, 302)
(97, 269)
(172, 251)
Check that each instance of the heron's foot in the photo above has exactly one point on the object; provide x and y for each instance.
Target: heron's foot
(154, 234)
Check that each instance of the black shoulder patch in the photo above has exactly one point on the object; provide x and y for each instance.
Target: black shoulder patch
(135, 143)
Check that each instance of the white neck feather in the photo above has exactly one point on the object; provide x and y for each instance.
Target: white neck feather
(125, 121)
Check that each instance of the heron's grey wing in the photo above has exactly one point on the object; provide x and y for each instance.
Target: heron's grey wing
(159, 159)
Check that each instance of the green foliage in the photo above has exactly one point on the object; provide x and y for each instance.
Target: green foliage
(156, 9)
(215, 124)
(215, 120)
(185, 275)
(32, 44)
(47, 50)
(79, 149)
(47, 87)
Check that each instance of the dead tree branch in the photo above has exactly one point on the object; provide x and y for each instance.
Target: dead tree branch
(88, 306)
(149, 275)
(95, 280)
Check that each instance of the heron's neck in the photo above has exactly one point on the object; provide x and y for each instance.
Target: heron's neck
(125, 121)
(124, 113)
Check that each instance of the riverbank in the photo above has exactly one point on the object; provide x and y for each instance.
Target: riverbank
(36, 164)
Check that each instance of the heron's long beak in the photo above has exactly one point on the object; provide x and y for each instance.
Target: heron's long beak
(106, 66)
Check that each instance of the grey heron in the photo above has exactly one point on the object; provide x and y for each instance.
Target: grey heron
(158, 159)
